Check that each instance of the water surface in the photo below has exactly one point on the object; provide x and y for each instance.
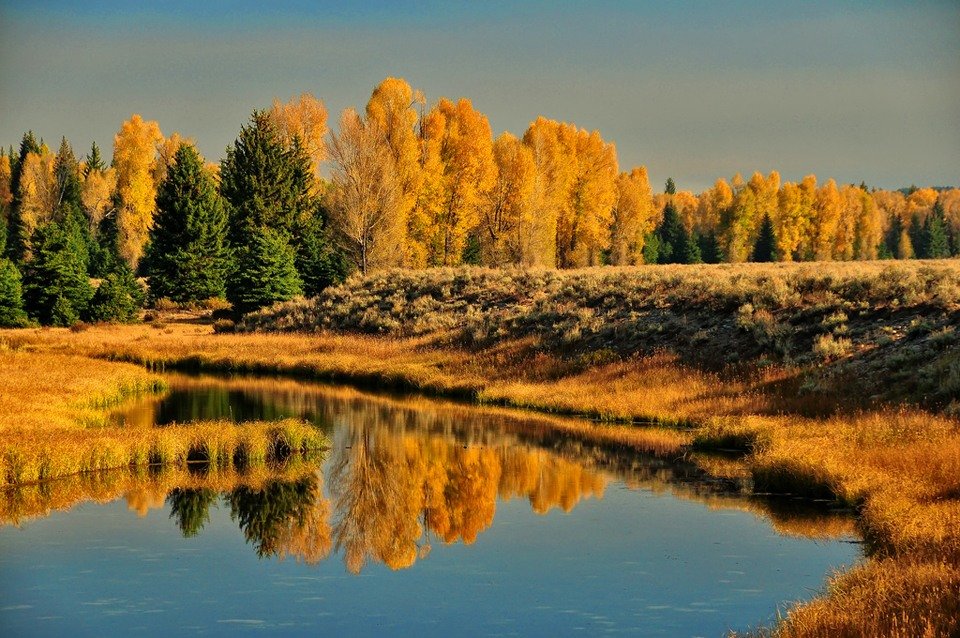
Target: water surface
(426, 518)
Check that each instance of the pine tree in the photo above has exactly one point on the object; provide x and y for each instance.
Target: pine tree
(651, 248)
(318, 261)
(936, 242)
(676, 245)
(892, 239)
(258, 182)
(765, 248)
(57, 289)
(710, 250)
(670, 188)
(188, 259)
(265, 272)
(94, 161)
(118, 299)
(69, 209)
(915, 232)
(12, 314)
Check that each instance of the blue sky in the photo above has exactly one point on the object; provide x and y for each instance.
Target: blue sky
(694, 90)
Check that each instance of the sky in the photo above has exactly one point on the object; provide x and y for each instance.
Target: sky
(858, 91)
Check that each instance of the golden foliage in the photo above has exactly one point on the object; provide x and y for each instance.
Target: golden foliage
(367, 196)
(459, 169)
(509, 233)
(306, 118)
(135, 161)
(97, 194)
(6, 196)
(38, 191)
(633, 217)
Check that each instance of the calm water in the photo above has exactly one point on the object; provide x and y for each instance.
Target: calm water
(425, 518)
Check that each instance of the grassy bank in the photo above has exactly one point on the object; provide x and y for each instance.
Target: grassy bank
(53, 423)
(837, 381)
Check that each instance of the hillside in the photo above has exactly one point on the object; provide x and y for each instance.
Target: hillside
(880, 330)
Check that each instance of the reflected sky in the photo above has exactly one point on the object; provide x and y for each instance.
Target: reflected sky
(420, 521)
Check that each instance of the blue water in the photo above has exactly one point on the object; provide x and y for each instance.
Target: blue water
(623, 560)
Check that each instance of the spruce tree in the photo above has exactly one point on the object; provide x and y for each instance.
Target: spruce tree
(915, 232)
(265, 272)
(119, 297)
(187, 258)
(12, 314)
(318, 261)
(670, 188)
(710, 250)
(936, 242)
(676, 245)
(651, 248)
(94, 161)
(69, 210)
(56, 287)
(891, 240)
(765, 248)
(257, 181)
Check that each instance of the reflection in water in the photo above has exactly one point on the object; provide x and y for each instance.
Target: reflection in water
(403, 474)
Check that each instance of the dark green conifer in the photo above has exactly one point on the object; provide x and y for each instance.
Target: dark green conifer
(187, 258)
(119, 297)
(915, 232)
(676, 245)
(765, 248)
(12, 314)
(710, 249)
(94, 161)
(56, 287)
(264, 273)
(670, 188)
(936, 241)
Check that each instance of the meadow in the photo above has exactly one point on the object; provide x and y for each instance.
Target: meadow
(835, 381)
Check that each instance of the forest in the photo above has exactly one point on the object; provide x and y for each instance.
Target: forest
(295, 206)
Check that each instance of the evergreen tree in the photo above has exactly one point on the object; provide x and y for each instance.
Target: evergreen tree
(676, 245)
(12, 314)
(915, 232)
(892, 239)
(936, 242)
(119, 297)
(259, 183)
(57, 289)
(765, 248)
(319, 263)
(187, 258)
(69, 210)
(105, 251)
(17, 233)
(651, 248)
(710, 250)
(265, 272)
(94, 161)
(670, 188)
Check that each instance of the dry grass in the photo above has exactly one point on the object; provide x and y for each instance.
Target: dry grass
(555, 348)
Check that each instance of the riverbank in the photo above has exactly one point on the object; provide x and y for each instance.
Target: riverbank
(893, 454)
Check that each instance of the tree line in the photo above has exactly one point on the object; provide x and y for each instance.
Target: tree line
(407, 187)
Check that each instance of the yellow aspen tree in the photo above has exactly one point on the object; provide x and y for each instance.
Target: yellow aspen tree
(507, 223)
(392, 109)
(166, 153)
(585, 233)
(851, 207)
(686, 204)
(554, 153)
(97, 194)
(38, 191)
(460, 139)
(366, 196)
(868, 232)
(633, 217)
(794, 217)
(751, 202)
(827, 208)
(304, 117)
(712, 204)
(135, 160)
(920, 203)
